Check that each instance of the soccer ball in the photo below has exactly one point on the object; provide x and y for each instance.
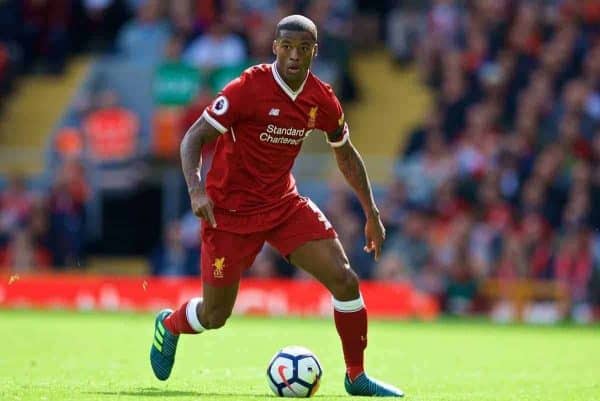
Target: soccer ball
(294, 372)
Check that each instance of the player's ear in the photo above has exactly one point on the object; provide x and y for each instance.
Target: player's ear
(275, 47)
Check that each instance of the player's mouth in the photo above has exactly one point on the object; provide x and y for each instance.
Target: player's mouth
(293, 69)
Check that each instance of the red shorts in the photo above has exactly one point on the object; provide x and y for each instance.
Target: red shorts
(226, 255)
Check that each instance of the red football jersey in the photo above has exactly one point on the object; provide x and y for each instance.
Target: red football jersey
(263, 124)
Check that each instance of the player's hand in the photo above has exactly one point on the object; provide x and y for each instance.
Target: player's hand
(202, 207)
(374, 235)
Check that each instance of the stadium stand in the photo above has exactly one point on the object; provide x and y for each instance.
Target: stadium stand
(503, 171)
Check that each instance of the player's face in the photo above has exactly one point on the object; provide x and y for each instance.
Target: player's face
(295, 52)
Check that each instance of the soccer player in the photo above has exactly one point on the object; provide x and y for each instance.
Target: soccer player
(259, 121)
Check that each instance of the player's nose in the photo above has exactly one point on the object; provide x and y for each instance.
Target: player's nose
(295, 55)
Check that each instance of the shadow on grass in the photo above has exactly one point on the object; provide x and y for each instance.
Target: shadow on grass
(157, 392)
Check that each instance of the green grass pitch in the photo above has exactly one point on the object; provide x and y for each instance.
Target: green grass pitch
(104, 356)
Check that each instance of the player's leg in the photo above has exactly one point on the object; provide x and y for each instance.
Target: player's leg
(327, 262)
(211, 311)
(220, 280)
(309, 242)
(193, 317)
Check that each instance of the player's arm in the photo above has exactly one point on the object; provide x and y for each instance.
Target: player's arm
(199, 134)
(353, 168)
(216, 119)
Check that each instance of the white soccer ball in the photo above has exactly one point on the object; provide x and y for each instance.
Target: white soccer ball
(294, 371)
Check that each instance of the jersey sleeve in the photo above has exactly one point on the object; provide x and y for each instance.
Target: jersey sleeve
(333, 122)
(227, 108)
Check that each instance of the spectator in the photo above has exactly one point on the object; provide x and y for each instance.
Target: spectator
(394, 207)
(416, 138)
(573, 266)
(111, 130)
(345, 216)
(95, 24)
(144, 39)
(15, 207)
(23, 255)
(411, 250)
(478, 145)
(172, 258)
(181, 15)
(175, 85)
(537, 240)
(44, 34)
(424, 172)
(215, 49)
(404, 26)
(461, 288)
(67, 202)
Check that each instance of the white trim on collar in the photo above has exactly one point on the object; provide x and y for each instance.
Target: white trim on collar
(292, 94)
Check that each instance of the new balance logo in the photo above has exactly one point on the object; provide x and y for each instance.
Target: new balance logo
(274, 112)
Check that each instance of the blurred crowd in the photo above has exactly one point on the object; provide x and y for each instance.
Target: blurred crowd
(39, 36)
(501, 178)
(40, 230)
(192, 48)
(498, 181)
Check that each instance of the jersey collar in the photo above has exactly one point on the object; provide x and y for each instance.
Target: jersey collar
(292, 94)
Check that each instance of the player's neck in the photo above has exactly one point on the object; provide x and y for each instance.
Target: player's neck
(296, 84)
(293, 85)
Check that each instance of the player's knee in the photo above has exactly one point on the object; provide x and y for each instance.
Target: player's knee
(346, 284)
(351, 281)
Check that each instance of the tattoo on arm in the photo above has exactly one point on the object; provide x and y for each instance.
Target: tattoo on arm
(352, 167)
(199, 134)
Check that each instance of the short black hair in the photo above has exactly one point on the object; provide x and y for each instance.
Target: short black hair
(298, 23)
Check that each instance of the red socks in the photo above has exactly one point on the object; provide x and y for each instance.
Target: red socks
(185, 319)
(350, 321)
(351, 324)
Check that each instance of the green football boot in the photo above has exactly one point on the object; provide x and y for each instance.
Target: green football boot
(164, 345)
(364, 385)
